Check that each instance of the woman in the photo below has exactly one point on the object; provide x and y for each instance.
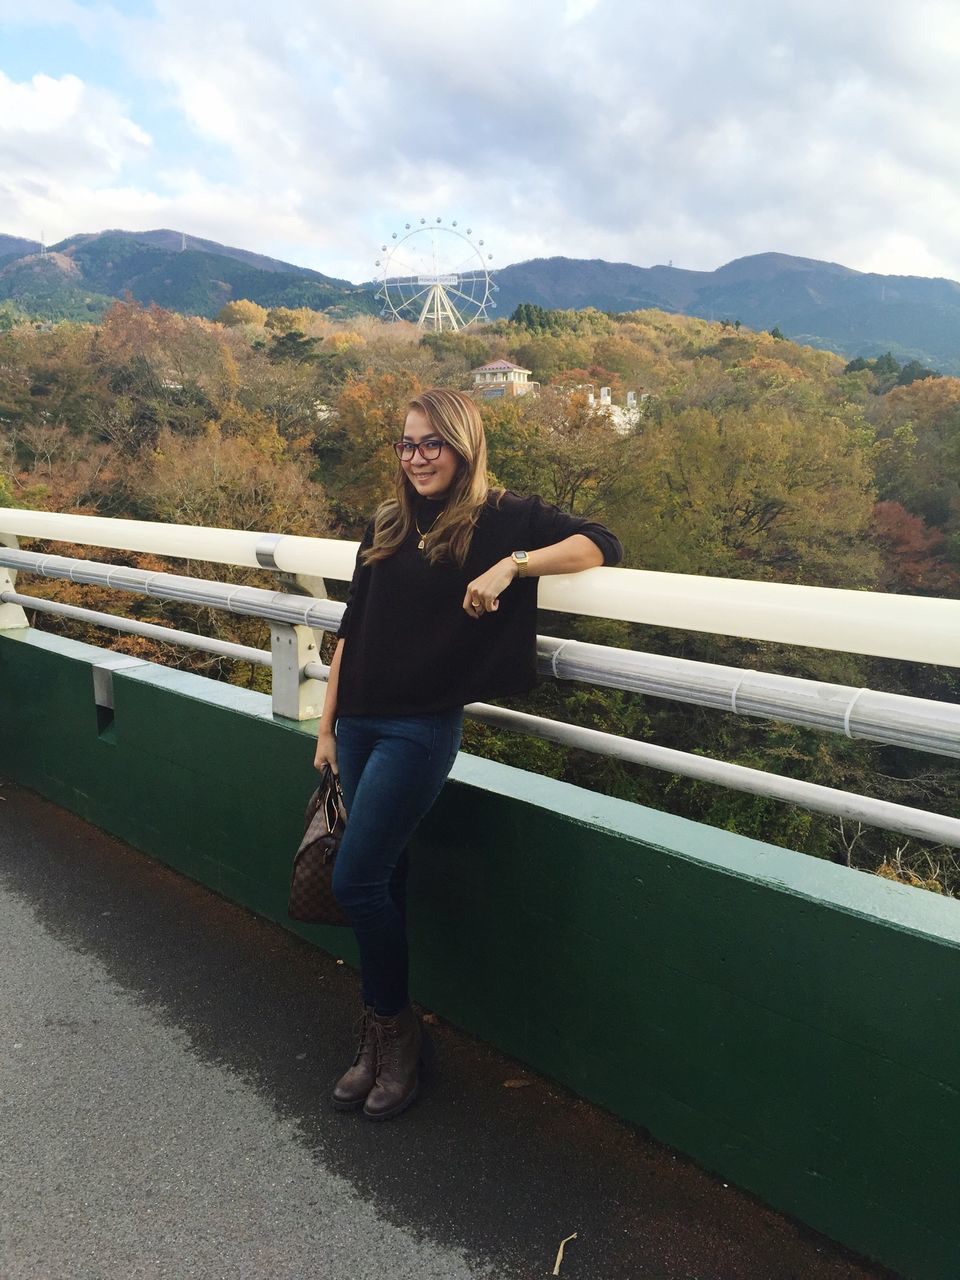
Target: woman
(441, 612)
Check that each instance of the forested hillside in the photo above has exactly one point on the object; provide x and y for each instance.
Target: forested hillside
(818, 303)
(750, 457)
(821, 304)
(80, 278)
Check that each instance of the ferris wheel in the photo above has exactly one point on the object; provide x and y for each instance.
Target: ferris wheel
(436, 276)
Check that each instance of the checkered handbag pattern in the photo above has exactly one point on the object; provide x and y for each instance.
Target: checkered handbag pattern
(311, 883)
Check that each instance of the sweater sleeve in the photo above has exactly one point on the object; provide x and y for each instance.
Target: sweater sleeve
(548, 524)
(359, 570)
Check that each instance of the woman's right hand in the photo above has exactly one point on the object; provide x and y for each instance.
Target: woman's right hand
(326, 752)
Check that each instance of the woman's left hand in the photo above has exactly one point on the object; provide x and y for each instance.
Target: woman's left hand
(483, 594)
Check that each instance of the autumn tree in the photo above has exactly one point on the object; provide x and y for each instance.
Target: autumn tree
(546, 354)
(914, 556)
(918, 452)
(754, 457)
(352, 444)
(242, 311)
(514, 441)
(231, 483)
(289, 319)
(760, 495)
(580, 459)
(236, 482)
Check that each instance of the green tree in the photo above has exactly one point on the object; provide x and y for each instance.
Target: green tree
(886, 366)
(528, 315)
(914, 371)
(292, 345)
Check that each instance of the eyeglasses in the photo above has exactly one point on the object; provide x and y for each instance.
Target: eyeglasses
(429, 450)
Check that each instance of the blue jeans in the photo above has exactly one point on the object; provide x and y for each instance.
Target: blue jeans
(392, 769)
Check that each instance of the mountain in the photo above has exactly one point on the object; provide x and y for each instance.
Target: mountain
(822, 304)
(51, 286)
(79, 277)
(119, 243)
(16, 247)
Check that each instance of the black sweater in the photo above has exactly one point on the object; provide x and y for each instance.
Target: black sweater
(411, 648)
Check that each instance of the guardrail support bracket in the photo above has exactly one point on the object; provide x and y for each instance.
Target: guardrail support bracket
(12, 617)
(295, 696)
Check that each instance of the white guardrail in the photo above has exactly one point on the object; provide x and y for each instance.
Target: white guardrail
(914, 628)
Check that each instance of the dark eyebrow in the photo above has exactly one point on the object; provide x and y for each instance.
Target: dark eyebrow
(425, 440)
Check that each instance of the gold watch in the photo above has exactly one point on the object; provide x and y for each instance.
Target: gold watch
(522, 561)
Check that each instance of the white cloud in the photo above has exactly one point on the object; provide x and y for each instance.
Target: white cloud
(61, 143)
(63, 126)
(623, 129)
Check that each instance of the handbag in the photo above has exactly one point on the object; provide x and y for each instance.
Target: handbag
(311, 882)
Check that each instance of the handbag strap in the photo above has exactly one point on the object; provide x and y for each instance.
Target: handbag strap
(330, 781)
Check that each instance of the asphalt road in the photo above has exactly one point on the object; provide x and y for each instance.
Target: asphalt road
(165, 1060)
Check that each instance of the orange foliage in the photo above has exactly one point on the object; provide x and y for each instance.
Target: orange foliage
(923, 401)
(769, 372)
(913, 553)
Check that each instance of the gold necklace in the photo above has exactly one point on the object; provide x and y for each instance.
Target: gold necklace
(422, 533)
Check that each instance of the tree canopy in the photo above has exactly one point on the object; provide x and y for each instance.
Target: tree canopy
(745, 455)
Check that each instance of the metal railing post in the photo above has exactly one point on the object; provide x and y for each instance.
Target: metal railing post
(12, 617)
(295, 695)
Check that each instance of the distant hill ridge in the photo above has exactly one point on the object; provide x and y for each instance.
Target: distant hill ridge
(179, 241)
(821, 303)
(79, 277)
(824, 304)
(16, 246)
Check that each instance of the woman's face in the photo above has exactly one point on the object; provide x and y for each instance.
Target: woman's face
(430, 479)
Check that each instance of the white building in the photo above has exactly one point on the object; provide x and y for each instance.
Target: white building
(624, 418)
(502, 378)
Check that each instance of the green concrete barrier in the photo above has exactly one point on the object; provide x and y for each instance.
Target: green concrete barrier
(789, 1024)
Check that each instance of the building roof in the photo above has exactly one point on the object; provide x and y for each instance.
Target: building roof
(500, 366)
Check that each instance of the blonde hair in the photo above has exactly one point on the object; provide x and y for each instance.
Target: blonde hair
(455, 418)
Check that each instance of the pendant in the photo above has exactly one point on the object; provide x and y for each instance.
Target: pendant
(420, 545)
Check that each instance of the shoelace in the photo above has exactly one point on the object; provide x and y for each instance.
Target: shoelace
(387, 1040)
(360, 1031)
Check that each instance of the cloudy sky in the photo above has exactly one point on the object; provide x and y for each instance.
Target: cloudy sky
(693, 131)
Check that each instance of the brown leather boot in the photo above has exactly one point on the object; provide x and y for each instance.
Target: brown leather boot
(353, 1086)
(398, 1060)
